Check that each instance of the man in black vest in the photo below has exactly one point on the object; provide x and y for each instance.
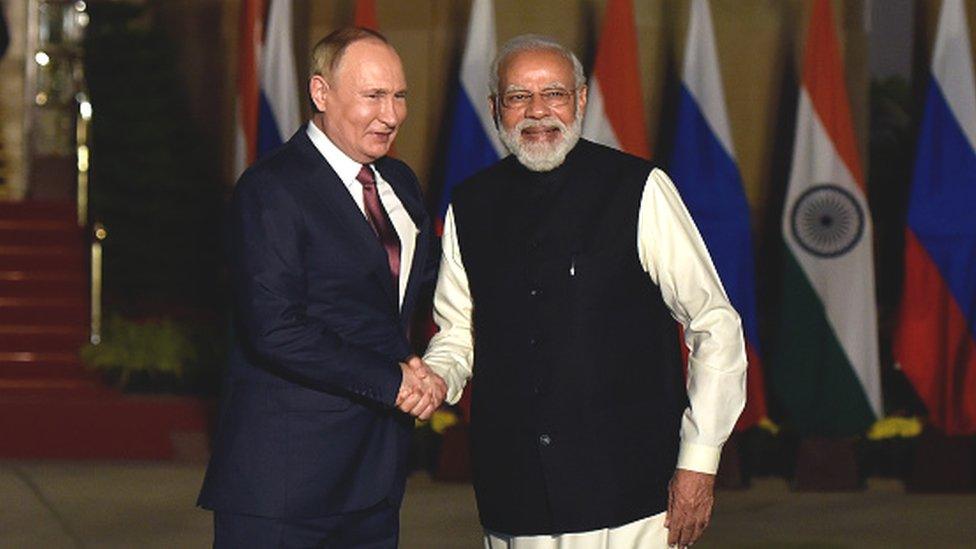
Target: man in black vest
(564, 268)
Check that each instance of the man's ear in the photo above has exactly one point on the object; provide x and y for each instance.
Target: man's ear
(581, 99)
(493, 109)
(318, 87)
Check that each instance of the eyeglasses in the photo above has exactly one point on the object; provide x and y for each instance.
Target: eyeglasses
(522, 99)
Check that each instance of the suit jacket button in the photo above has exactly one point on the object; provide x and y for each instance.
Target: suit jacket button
(545, 440)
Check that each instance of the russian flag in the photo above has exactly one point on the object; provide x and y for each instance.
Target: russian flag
(614, 109)
(267, 84)
(704, 169)
(936, 338)
(473, 143)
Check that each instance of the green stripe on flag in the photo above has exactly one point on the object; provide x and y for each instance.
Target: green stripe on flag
(810, 376)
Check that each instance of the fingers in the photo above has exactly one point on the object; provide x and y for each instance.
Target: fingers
(428, 412)
(688, 533)
(683, 529)
(422, 391)
(669, 521)
(690, 500)
(410, 401)
(433, 397)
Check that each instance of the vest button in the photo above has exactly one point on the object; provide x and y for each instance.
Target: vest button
(533, 341)
(534, 292)
(545, 440)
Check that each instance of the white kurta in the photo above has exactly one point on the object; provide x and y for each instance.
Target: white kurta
(675, 258)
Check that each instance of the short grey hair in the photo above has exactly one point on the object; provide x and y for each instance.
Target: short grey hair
(533, 42)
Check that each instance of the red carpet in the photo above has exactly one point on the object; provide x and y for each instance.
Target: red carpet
(50, 407)
(87, 424)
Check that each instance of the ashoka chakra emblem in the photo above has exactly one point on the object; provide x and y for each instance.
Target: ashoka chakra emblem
(827, 221)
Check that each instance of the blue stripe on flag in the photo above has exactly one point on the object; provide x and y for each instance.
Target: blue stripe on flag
(711, 187)
(468, 150)
(940, 210)
(269, 137)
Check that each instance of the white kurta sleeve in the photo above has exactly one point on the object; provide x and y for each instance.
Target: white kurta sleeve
(674, 255)
(451, 351)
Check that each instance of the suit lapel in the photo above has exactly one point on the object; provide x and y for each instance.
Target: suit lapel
(412, 202)
(326, 183)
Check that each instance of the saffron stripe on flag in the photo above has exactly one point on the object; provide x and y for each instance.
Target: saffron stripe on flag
(365, 15)
(615, 110)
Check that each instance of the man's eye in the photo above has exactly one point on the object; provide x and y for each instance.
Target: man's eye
(554, 94)
(518, 97)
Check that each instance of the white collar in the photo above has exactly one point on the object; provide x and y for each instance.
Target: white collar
(346, 168)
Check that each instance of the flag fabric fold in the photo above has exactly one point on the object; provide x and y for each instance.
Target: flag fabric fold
(704, 168)
(365, 15)
(473, 143)
(825, 369)
(935, 342)
(614, 108)
(268, 111)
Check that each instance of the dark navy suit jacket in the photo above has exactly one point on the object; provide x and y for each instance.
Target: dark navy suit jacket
(307, 424)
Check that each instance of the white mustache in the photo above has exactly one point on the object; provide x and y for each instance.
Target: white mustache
(543, 155)
(545, 123)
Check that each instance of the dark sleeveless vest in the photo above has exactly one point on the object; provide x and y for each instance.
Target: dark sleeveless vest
(578, 389)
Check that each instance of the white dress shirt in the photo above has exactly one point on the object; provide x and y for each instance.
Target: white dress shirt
(673, 254)
(347, 169)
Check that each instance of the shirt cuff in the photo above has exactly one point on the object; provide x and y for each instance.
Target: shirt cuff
(699, 458)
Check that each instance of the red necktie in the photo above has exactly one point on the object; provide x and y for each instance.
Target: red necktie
(380, 222)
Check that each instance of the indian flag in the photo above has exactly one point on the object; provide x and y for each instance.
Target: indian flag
(825, 370)
(614, 108)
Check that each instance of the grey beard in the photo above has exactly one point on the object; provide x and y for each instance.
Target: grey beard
(542, 157)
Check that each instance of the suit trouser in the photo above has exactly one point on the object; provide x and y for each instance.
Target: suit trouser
(375, 528)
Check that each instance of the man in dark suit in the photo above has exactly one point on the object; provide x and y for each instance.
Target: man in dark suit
(331, 248)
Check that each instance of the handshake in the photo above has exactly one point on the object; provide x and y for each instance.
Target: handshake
(421, 391)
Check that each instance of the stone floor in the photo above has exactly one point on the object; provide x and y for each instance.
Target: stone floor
(150, 505)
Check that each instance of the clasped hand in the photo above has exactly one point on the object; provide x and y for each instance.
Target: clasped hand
(421, 391)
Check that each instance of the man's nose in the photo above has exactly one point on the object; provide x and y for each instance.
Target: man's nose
(537, 107)
(392, 111)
